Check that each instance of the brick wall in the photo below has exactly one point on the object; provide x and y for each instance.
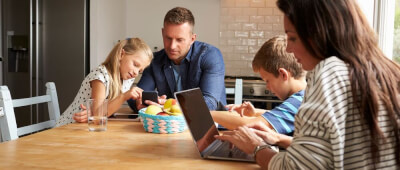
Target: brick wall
(244, 26)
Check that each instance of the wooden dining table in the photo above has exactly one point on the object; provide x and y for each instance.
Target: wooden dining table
(124, 145)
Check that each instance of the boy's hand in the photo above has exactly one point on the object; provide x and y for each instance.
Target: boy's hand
(245, 109)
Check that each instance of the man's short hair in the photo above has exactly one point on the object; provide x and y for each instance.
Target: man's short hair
(179, 15)
(272, 56)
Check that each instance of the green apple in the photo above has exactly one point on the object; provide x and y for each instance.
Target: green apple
(153, 110)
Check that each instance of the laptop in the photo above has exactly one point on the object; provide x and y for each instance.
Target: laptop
(202, 127)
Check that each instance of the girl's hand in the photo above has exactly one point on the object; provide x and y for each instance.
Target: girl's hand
(81, 117)
(134, 93)
(245, 109)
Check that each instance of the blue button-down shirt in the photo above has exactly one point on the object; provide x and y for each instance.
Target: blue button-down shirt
(177, 74)
(204, 68)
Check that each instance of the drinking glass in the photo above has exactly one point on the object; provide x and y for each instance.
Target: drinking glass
(97, 114)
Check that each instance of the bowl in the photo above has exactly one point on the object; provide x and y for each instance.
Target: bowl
(162, 124)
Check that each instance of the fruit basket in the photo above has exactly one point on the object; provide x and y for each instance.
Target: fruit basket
(161, 123)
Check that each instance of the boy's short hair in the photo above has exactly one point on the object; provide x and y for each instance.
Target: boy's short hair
(272, 56)
(179, 15)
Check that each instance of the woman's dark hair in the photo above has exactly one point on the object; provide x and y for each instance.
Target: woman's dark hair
(339, 28)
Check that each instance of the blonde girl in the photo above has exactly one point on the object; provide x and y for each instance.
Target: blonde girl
(111, 80)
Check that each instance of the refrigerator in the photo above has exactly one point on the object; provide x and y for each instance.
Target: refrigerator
(43, 41)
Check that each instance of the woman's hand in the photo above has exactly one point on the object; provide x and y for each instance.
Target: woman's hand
(81, 117)
(271, 136)
(248, 137)
(245, 109)
(244, 138)
(266, 133)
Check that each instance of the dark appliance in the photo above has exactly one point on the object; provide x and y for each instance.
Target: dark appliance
(43, 41)
(254, 90)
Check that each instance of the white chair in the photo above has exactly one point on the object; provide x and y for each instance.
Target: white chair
(8, 124)
(237, 91)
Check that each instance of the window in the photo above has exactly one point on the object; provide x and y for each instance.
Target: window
(396, 39)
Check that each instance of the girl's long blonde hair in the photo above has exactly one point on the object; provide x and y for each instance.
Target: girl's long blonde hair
(112, 62)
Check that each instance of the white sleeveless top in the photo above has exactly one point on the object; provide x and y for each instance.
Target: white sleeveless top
(85, 93)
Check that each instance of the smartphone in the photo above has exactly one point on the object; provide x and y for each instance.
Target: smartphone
(149, 95)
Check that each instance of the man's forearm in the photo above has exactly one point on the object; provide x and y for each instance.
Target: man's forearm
(132, 105)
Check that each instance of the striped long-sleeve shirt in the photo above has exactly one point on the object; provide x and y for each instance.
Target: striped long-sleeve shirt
(329, 133)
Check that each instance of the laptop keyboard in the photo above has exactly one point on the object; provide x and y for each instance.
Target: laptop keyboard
(224, 150)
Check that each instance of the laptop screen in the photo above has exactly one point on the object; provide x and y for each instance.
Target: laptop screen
(198, 117)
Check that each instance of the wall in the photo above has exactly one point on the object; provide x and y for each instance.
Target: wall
(111, 21)
(237, 27)
(245, 26)
(107, 26)
(144, 19)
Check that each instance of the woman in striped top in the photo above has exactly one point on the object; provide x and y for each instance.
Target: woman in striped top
(349, 118)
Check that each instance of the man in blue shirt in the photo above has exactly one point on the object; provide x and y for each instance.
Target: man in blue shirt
(184, 63)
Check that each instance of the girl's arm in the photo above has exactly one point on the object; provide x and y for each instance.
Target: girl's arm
(98, 92)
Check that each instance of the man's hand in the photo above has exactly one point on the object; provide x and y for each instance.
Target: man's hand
(161, 101)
